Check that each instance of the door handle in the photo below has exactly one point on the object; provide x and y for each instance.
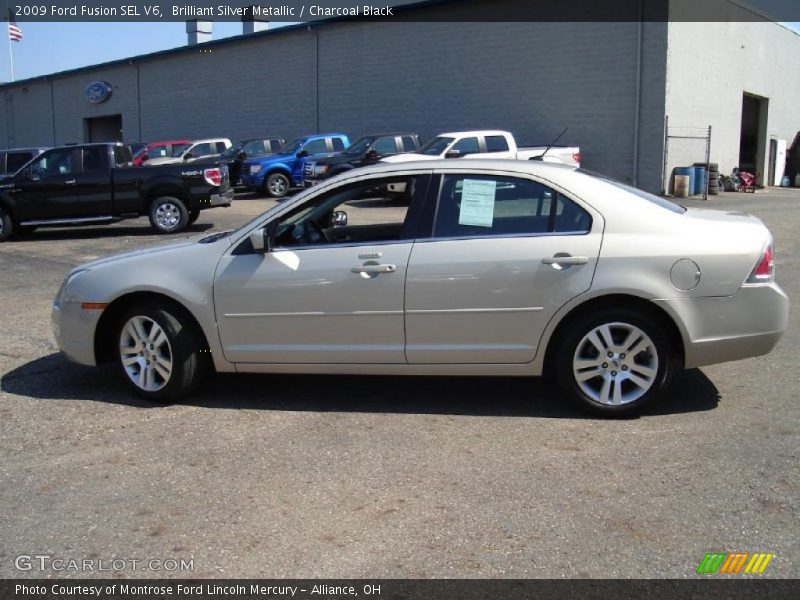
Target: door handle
(70, 182)
(375, 269)
(565, 260)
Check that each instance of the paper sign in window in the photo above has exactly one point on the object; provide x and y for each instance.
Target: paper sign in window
(477, 203)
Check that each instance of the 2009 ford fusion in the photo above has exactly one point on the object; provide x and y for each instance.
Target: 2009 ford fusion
(440, 268)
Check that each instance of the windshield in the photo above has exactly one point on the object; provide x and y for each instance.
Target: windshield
(436, 146)
(178, 149)
(360, 146)
(294, 146)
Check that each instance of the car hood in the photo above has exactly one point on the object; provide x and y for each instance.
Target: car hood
(158, 252)
(162, 160)
(335, 158)
(410, 157)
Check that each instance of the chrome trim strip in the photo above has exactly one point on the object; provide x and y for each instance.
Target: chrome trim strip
(67, 221)
(357, 313)
(474, 310)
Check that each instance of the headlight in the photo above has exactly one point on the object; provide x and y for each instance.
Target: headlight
(255, 169)
(62, 290)
(321, 169)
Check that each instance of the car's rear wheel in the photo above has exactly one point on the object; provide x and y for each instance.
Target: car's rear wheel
(277, 185)
(6, 225)
(168, 215)
(161, 354)
(614, 361)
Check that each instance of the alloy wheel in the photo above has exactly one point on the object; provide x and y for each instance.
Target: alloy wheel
(168, 215)
(146, 353)
(615, 364)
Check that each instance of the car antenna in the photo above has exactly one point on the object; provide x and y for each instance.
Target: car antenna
(553, 143)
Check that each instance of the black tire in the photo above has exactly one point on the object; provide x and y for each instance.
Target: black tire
(6, 225)
(189, 356)
(168, 215)
(194, 214)
(276, 185)
(574, 344)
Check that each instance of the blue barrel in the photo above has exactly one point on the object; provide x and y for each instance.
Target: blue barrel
(699, 180)
(687, 171)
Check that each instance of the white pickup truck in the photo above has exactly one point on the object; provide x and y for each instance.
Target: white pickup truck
(488, 144)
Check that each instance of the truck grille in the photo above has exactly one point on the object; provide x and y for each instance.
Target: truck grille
(308, 169)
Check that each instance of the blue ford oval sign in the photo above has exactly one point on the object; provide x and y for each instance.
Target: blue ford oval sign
(98, 91)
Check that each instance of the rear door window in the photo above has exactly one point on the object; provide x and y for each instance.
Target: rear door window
(496, 143)
(337, 144)
(487, 205)
(385, 145)
(408, 144)
(95, 160)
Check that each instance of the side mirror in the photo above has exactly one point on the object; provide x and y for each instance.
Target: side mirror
(371, 153)
(453, 154)
(338, 218)
(188, 155)
(241, 155)
(302, 154)
(258, 238)
(145, 158)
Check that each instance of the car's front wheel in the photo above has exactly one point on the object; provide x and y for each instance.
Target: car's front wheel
(161, 354)
(168, 215)
(277, 185)
(614, 361)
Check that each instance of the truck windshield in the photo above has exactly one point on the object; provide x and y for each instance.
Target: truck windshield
(360, 146)
(436, 146)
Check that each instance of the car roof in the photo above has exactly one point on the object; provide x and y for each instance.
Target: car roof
(183, 141)
(205, 140)
(474, 132)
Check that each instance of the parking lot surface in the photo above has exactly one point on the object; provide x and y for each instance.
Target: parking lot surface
(326, 476)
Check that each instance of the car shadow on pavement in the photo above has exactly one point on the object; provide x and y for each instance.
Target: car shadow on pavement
(90, 233)
(52, 377)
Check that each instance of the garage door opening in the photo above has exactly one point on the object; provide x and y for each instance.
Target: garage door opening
(103, 129)
(753, 140)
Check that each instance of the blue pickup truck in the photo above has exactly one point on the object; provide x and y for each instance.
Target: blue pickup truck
(275, 174)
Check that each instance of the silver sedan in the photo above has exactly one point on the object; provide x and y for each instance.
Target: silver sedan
(440, 268)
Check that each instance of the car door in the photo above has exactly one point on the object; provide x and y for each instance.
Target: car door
(46, 189)
(503, 255)
(93, 182)
(326, 298)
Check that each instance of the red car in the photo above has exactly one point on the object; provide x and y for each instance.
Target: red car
(158, 149)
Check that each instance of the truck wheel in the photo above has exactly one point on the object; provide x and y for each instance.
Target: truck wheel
(276, 185)
(194, 214)
(168, 215)
(6, 226)
(613, 362)
(160, 353)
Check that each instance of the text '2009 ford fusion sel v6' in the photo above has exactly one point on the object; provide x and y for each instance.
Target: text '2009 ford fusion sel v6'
(480, 267)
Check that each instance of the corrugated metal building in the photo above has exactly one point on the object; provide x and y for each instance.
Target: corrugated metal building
(611, 83)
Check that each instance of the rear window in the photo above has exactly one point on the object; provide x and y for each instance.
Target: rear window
(652, 198)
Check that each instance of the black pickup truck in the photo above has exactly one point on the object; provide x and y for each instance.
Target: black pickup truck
(97, 184)
(367, 150)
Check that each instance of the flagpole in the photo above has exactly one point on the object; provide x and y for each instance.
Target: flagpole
(10, 57)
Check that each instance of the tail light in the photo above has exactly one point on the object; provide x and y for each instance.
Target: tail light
(576, 156)
(213, 176)
(764, 271)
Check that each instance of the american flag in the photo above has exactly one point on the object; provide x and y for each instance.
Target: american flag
(14, 32)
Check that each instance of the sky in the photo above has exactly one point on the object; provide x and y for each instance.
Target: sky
(53, 47)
